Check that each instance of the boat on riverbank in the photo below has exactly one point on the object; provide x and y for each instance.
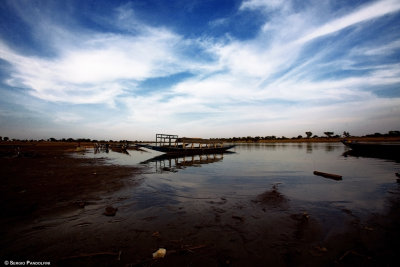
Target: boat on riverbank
(389, 149)
(172, 144)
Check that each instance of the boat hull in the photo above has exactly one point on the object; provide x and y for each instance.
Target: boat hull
(379, 149)
(188, 151)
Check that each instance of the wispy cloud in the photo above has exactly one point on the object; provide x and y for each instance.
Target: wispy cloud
(269, 4)
(368, 12)
(91, 71)
(385, 49)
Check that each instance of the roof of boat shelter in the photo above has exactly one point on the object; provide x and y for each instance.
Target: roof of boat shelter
(197, 140)
(168, 138)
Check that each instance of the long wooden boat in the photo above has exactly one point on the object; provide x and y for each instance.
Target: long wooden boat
(188, 151)
(374, 148)
(172, 144)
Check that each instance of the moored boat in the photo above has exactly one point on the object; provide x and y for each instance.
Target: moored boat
(391, 149)
(172, 144)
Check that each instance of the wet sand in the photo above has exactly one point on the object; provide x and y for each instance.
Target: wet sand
(53, 204)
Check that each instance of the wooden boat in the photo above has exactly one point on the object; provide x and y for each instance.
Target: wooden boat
(172, 144)
(390, 149)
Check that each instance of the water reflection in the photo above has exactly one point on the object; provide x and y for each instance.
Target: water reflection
(329, 147)
(300, 146)
(172, 163)
(119, 148)
(309, 148)
(101, 148)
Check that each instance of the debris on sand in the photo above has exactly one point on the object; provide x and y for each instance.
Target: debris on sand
(110, 211)
(160, 253)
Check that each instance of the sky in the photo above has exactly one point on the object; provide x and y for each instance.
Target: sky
(126, 70)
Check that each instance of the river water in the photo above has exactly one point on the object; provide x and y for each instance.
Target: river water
(253, 169)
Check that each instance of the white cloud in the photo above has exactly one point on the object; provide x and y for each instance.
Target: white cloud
(256, 4)
(92, 72)
(385, 49)
(108, 58)
(368, 12)
(218, 22)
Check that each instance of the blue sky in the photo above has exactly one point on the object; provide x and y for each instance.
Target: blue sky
(130, 69)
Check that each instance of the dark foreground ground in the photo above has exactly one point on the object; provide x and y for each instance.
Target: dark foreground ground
(52, 209)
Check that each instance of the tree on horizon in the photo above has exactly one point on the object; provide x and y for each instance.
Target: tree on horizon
(346, 134)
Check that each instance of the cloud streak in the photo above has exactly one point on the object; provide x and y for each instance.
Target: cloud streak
(371, 11)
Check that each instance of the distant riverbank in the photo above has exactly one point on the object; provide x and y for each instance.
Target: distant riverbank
(325, 140)
(73, 145)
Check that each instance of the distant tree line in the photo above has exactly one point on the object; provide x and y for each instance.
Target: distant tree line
(308, 135)
(389, 134)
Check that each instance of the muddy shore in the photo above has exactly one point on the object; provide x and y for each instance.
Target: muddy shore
(53, 209)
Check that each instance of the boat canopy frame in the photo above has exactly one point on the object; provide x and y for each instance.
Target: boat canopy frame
(172, 140)
(163, 139)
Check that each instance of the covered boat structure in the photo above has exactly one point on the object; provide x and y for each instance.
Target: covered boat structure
(172, 144)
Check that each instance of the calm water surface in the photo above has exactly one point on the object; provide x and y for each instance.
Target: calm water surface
(254, 169)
